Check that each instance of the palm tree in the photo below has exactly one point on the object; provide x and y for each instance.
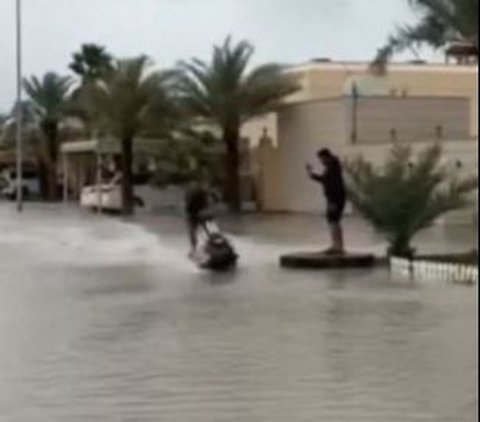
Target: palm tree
(91, 62)
(128, 101)
(226, 94)
(440, 23)
(401, 199)
(49, 98)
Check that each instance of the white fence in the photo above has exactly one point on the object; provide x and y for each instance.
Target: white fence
(437, 271)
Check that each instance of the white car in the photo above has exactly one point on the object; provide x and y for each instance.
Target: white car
(106, 197)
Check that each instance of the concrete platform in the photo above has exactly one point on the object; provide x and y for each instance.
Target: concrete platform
(317, 260)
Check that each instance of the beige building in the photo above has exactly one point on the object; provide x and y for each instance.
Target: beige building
(345, 107)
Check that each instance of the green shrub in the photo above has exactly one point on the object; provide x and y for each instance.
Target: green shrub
(405, 195)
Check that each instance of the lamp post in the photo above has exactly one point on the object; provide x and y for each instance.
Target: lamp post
(19, 111)
(354, 133)
(353, 94)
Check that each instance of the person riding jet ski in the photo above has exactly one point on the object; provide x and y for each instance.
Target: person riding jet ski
(215, 251)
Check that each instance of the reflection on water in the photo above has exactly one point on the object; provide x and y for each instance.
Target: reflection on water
(107, 321)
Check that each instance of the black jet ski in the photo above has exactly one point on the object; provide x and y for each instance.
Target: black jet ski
(215, 252)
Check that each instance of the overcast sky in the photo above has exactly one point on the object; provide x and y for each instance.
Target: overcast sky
(286, 31)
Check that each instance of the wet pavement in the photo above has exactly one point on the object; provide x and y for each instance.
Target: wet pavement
(106, 320)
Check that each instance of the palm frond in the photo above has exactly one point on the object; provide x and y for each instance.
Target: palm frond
(440, 22)
(131, 100)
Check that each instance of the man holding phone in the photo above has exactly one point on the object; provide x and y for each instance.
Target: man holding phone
(335, 194)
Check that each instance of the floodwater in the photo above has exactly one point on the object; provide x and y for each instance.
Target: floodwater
(106, 320)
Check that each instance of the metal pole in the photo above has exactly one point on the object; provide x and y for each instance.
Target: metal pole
(99, 180)
(354, 104)
(65, 177)
(19, 111)
(354, 133)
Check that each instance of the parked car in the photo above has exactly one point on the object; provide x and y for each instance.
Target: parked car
(30, 184)
(107, 196)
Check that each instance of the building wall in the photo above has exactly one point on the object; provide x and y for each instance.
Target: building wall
(332, 80)
(305, 127)
(292, 191)
(305, 124)
(302, 130)
(328, 80)
(412, 119)
(254, 129)
(267, 173)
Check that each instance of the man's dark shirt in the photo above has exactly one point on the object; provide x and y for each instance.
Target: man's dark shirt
(332, 181)
(196, 201)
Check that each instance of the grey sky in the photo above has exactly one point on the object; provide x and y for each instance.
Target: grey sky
(286, 31)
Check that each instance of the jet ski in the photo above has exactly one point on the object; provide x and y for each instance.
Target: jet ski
(215, 252)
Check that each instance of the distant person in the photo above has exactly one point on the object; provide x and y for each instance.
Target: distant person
(198, 201)
(335, 194)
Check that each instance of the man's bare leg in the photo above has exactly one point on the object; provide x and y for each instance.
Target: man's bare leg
(338, 242)
(192, 234)
(336, 235)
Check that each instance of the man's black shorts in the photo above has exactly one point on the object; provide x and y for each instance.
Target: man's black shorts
(335, 212)
(195, 220)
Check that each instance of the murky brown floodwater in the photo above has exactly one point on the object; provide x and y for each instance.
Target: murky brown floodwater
(107, 321)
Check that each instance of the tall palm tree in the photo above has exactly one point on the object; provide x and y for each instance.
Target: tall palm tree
(440, 23)
(129, 101)
(226, 93)
(49, 98)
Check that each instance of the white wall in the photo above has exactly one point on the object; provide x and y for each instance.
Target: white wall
(306, 127)
(302, 130)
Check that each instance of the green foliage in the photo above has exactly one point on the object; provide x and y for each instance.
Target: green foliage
(49, 96)
(190, 156)
(225, 93)
(400, 198)
(127, 102)
(440, 22)
(49, 99)
(91, 62)
(30, 128)
(130, 101)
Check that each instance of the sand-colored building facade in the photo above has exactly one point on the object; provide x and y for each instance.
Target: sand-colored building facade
(347, 108)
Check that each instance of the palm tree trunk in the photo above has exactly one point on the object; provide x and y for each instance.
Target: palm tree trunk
(43, 179)
(50, 130)
(400, 246)
(232, 168)
(127, 176)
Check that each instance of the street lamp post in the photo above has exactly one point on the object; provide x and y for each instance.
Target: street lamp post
(19, 111)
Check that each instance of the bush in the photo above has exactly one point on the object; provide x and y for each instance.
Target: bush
(400, 198)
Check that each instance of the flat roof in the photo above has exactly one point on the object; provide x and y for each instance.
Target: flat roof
(396, 66)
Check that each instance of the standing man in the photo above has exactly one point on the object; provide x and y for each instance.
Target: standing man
(335, 194)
